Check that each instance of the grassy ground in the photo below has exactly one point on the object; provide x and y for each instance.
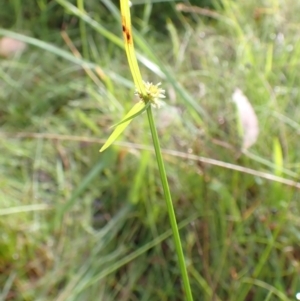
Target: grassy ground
(79, 225)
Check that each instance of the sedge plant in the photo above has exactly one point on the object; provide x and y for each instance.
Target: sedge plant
(149, 96)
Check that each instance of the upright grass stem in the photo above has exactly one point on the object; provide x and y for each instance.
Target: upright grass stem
(171, 212)
(149, 95)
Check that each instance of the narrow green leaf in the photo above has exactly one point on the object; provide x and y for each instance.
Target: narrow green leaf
(135, 110)
(132, 116)
(277, 157)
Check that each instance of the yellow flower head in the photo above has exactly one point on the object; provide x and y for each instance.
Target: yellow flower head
(153, 94)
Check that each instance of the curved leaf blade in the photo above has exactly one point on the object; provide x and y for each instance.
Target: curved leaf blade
(135, 110)
(132, 116)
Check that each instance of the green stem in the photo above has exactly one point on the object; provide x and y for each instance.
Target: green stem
(170, 207)
(83, 34)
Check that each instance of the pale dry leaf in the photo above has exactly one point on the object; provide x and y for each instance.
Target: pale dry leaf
(248, 118)
(9, 46)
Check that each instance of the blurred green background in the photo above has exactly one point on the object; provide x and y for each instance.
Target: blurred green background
(80, 225)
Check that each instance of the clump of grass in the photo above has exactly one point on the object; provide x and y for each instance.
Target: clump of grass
(78, 227)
